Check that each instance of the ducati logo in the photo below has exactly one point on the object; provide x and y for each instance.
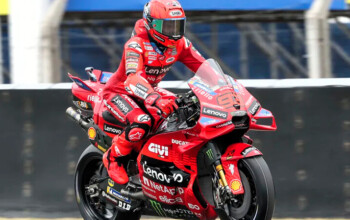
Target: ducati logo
(178, 142)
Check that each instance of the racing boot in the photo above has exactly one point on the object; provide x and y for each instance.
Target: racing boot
(112, 159)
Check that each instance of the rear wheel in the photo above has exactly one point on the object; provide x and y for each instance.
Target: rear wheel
(89, 169)
(258, 201)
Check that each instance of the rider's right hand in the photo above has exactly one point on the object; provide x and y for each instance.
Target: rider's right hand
(166, 106)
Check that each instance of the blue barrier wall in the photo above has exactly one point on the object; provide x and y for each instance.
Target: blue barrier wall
(137, 5)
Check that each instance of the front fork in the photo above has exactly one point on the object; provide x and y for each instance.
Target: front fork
(213, 159)
(222, 179)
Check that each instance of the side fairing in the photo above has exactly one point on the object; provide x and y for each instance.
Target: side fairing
(168, 172)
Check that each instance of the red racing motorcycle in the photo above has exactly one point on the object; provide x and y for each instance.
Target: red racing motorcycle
(196, 164)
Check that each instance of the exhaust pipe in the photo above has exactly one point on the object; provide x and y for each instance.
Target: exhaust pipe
(76, 117)
(134, 195)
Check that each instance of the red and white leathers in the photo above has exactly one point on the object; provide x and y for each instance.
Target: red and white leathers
(142, 67)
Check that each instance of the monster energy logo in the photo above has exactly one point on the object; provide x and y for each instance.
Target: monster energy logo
(158, 208)
(210, 154)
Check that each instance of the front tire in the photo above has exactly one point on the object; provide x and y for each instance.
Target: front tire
(90, 166)
(258, 201)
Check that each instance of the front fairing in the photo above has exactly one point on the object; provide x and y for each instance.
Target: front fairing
(219, 99)
(224, 102)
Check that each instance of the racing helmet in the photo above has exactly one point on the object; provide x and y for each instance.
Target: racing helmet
(165, 21)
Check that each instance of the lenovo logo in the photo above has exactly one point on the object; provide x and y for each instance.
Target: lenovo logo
(111, 129)
(162, 177)
(215, 113)
(157, 70)
(253, 108)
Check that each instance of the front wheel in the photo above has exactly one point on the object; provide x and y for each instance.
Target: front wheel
(258, 200)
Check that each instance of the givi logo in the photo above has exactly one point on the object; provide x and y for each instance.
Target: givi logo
(162, 151)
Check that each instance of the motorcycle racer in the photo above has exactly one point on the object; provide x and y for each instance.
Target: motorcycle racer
(156, 44)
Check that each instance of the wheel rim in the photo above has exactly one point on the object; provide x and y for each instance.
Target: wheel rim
(246, 206)
(240, 208)
(93, 205)
(249, 187)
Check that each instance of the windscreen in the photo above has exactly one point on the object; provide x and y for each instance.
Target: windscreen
(216, 87)
(211, 74)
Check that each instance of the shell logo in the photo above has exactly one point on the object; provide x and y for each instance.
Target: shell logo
(92, 133)
(236, 185)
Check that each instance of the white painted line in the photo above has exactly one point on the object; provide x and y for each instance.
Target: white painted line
(249, 83)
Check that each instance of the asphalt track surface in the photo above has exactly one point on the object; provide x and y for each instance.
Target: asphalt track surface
(169, 219)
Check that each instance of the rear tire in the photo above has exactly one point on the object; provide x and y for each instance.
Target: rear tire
(88, 166)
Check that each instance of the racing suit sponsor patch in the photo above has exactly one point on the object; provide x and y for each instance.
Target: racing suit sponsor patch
(152, 58)
(110, 108)
(154, 70)
(121, 104)
(132, 59)
(132, 102)
(148, 47)
(169, 60)
(135, 46)
(132, 54)
(142, 87)
(128, 71)
(151, 53)
(132, 65)
(138, 92)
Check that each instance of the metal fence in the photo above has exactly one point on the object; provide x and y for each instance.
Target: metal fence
(246, 50)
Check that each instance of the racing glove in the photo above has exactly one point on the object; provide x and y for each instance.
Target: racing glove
(166, 106)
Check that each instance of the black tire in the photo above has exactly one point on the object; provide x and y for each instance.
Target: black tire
(258, 202)
(88, 164)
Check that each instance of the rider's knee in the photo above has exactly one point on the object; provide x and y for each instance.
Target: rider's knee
(136, 131)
